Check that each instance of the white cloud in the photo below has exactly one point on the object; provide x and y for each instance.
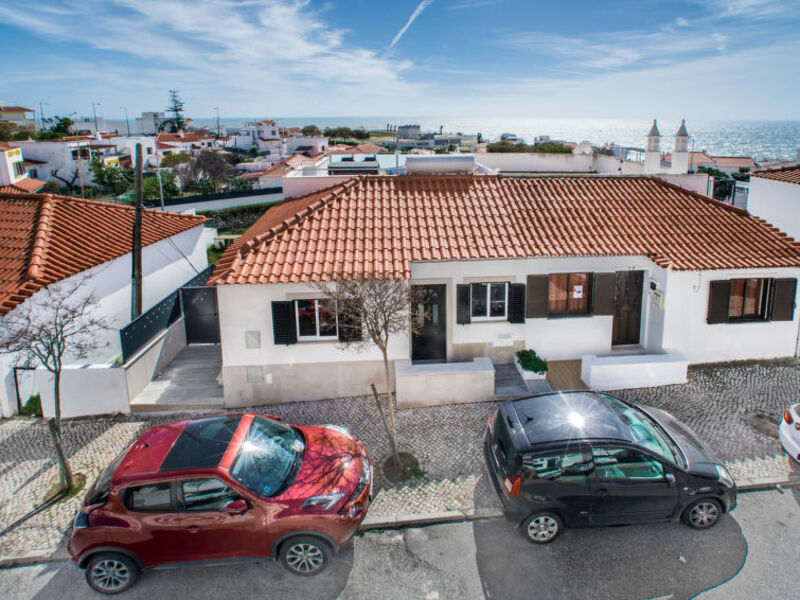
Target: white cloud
(417, 12)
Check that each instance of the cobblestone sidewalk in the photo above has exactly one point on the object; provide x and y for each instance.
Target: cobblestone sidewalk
(730, 407)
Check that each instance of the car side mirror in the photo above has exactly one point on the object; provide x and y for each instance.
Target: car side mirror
(236, 507)
(670, 479)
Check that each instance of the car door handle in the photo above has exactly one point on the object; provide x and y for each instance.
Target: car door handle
(601, 493)
(193, 529)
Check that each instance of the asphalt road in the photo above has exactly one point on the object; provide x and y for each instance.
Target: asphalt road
(752, 553)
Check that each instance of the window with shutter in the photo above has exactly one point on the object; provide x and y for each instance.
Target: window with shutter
(516, 303)
(603, 290)
(283, 323)
(718, 301)
(536, 297)
(568, 293)
(349, 318)
(783, 299)
(463, 304)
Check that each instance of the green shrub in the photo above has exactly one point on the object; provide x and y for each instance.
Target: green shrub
(530, 361)
(33, 407)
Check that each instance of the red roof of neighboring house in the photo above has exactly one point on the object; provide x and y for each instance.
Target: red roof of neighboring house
(46, 238)
(735, 161)
(15, 109)
(786, 174)
(695, 158)
(376, 226)
(28, 185)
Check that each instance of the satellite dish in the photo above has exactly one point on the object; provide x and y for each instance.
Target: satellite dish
(585, 147)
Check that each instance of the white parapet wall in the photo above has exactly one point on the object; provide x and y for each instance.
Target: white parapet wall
(619, 372)
(443, 383)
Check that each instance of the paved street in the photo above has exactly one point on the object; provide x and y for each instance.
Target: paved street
(751, 553)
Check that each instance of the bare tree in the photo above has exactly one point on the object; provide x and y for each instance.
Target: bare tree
(58, 322)
(67, 181)
(370, 312)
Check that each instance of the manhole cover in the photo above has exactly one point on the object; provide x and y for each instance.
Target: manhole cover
(764, 424)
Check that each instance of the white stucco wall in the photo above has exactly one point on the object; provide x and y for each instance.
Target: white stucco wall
(163, 270)
(521, 162)
(294, 185)
(686, 329)
(777, 202)
(225, 202)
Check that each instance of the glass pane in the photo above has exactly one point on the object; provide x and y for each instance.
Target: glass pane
(752, 297)
(557, 298)
(625, 464)
(578, 292)
(269, 455)
(497, 307)
(737, 298)
(479, 300)
(206, 494)
(643, 431)
(566, 466)
(327, 318)
(306, 317)
(150, 497)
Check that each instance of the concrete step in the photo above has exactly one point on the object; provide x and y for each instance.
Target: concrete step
(165, 408)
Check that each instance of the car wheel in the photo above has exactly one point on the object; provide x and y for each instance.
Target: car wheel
(703, 513)
(542, 528)
(111, 573)
(305, 555)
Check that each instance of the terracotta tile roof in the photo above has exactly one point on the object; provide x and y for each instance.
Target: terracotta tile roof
(789, 174)
(187, 137)
(378, 225)
(15, 109)
(735, 161)
(48, 238)
(28, 185)
(695, 158)
(4, 146)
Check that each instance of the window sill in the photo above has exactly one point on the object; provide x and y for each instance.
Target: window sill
(311, 340)
(488, 319)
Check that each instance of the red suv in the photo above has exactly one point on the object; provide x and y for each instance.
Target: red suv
(219, 489)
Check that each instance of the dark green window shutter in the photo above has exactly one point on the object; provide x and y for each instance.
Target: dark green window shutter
(516, 302)
(350, 322)
(719, 299)
(783, 299)
(536, 305)
(284, 330)
(462, 305)
(603, 293)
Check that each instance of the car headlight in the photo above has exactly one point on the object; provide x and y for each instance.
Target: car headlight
(724, 476)
(324, 502)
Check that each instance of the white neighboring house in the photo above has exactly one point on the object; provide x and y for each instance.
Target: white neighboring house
(185, 141)
(150, 122)
(264, 136)
(14, 171)
(68, 158)
(18, 115)
(775, 197)
(71, 238)
(126, 148)
(506, 264)
(310, 146)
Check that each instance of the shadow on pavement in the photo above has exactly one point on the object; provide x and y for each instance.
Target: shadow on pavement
(251, 580)
(643, 561)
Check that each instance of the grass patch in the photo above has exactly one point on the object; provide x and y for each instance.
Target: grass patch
(214, 254)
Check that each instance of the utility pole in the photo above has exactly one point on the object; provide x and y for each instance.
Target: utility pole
(41, 112)
(127, 123)
(136, 254)
(94, 113)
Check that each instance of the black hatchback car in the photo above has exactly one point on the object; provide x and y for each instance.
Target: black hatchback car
(587, 459)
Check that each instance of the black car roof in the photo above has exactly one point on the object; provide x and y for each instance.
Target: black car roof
(202, 443)
(562, 416)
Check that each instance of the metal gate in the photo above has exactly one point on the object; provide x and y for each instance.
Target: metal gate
(200, 315)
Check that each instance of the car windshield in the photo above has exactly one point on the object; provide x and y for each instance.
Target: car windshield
(100, 490)
(268, 458)
(643, 430)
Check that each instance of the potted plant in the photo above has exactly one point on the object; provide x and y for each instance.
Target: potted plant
(530, 365)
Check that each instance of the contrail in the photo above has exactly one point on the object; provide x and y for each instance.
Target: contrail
(420, 7)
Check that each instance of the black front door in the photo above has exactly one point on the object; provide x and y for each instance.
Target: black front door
(200, 314)
(429, 342)
(627, 307)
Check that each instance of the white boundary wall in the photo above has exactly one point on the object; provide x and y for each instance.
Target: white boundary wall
(777, 202)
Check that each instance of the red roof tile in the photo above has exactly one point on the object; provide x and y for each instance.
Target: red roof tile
(48, 238)
(789, 174)
(376, 226)
(28, 185)
(735, 161)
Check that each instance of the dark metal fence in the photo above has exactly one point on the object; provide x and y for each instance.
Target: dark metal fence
(136, 334)
(208, 197)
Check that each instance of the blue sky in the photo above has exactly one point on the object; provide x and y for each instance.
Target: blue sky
(703, 59)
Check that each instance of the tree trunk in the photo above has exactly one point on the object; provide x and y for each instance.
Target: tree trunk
(392, 441)
(390, 406)
(55, 431)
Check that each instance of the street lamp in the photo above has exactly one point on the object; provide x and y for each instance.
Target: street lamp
(127, 124)
(94, 113)
(41, 112)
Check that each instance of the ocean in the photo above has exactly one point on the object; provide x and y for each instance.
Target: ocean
(759, 139)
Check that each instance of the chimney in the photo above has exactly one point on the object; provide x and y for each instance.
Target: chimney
(180, 133)
(652, 154)
(680, 153)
